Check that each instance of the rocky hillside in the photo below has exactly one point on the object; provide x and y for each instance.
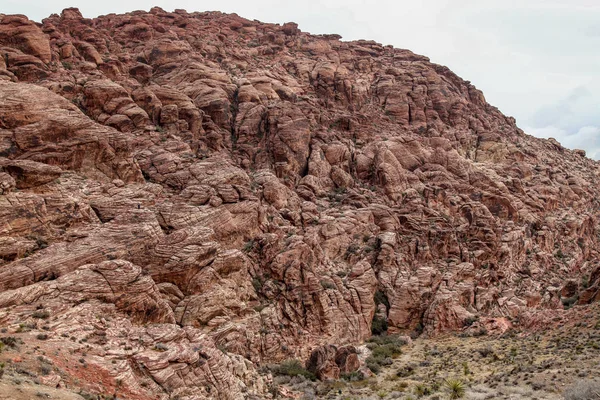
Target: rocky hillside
(187, 197)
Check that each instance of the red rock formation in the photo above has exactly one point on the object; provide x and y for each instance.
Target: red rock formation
(206, 181)
(328, 362)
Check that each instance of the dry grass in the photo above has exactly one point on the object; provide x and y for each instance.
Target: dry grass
(549, 365)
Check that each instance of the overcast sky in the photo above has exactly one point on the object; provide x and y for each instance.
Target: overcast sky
(537, 60)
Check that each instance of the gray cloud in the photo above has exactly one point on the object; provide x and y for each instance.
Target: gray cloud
(587, 138)
(573, 120)
(536, 60)
(593, 30)
(573, 105)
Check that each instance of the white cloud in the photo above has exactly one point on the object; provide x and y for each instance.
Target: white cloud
(579, 108)
(587, 138)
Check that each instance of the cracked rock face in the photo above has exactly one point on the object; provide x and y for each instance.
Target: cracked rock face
(203, 194)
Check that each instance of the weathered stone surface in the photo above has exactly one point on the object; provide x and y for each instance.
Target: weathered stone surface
(28, 174)
(328, 362)
(224, 193)
(19, 32)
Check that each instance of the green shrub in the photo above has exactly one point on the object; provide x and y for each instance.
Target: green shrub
(381, 298)
(387, 339)
(353, 376)
(257, 284)
(45, 369)
(248, 246)
(379, 325)
(9, 341)
(569, 301)
(470, 321)
(466, 369)
(327, 284)
(455, 388)
(352, 249)
(485, 351)
(41, 314)
(293, 368)
(387, 350)
(373, 364)
(383, 349)
(422, 390)
(260, 307)
(405, 371)
(585, 281)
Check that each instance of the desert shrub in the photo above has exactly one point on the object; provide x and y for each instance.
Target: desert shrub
(387, 339)
(273, 390)
(466, 369)
(470, 321)
(387, 350)
(569, 301)
(479, 332)
(405, 371)
(379, 325)
(585, 281)
(485, 351)
(248, 246)
(383, 349)
(260, 307)
(422, 390)
(42, 336)
(327, 284)
(26, 327)
(455, 388)
(583, 390)
(41, 314)
(352, 249)
(293, 368)
(353, 376)
(45, 369)
(380, 298)
(373, 364)
(257, 283)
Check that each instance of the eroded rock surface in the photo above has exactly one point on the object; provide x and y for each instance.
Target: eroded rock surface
(223, 193)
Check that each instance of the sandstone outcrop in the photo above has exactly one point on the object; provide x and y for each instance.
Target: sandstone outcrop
(213, 194)
(328, 362)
